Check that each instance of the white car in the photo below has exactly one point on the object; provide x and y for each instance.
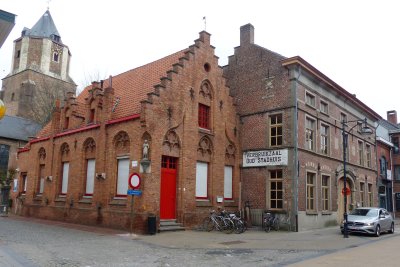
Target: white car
(369, 220)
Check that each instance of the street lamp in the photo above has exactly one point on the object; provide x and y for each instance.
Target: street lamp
(364, 130)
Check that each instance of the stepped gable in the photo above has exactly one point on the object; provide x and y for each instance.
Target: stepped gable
(134, 85)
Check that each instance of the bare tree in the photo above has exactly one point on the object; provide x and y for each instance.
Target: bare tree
(39, 98)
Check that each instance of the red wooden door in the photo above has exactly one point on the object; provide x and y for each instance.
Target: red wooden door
(168, 188)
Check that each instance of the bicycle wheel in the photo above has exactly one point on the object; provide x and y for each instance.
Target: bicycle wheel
(239, 226)
(229, 226)
(275, 224)
(208, 224)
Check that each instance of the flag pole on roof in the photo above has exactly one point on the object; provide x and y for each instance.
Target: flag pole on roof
(205, 23)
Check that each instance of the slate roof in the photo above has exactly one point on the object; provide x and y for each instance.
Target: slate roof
(18, 128)
(45, 27)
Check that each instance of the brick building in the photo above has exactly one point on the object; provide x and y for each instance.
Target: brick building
(171, 121)
(394, 161)
(39, 72)
(291, 118)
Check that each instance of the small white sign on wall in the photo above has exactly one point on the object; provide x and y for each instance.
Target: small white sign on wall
(134, 163)
(265, 158)
(220, 199)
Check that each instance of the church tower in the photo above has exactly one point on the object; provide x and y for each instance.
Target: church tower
(39, 72)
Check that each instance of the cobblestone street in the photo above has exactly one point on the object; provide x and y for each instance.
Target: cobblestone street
(32, 242)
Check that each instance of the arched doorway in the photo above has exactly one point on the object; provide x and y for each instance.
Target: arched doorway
(341, 196)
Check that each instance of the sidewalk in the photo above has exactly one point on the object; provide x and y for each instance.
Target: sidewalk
(326, 239)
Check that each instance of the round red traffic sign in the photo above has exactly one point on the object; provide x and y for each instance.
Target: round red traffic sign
(347, 191)
(134, 180)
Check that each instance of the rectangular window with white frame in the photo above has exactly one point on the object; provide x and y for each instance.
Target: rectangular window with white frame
(324, 131)
(228, 178)
(310, 99)
(122, 177)
(310, 205)
(64, 179)
(201, 180)
(326, 189)
(310, 133)
(90, 173)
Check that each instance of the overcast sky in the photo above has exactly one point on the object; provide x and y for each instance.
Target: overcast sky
(355, 43)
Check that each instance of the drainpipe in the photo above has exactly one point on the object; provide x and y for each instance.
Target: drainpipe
(294, 216)
(391, 181)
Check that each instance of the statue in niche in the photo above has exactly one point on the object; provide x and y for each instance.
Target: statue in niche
(146, 148)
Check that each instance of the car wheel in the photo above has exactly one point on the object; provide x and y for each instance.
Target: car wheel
(391, 231)
(378, 230)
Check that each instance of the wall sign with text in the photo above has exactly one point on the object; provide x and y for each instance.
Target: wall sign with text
(265, 158)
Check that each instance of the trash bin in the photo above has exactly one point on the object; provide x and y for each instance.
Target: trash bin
(151, 225)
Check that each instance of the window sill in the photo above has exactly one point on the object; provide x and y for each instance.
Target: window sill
(60, 199)
(326, 213)
(118, 202)
(206, 131)
(203, 203)
(311, 212)
(85, 200)
(230, 203)
(311, 106)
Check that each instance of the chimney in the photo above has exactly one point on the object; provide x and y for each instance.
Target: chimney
(246, 34)
(392, 116)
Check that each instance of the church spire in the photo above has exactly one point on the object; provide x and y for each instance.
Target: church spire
(45, 27)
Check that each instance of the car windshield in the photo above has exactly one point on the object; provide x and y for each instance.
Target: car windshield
(365, 212)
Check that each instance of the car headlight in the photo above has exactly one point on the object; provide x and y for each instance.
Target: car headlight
(369, 224)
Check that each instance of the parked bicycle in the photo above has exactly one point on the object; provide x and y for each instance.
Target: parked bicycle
(270, 221)
(218, 222)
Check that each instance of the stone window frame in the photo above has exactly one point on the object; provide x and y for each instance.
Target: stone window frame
(311, 187)
(326, 192)
(324, 146)
(360, 150)
(368, 156)
(310, 133)
(310, 99)
(362, 194)
(324, 104)
(370, 195)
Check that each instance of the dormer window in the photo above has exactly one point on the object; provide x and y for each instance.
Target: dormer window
(55, 38)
